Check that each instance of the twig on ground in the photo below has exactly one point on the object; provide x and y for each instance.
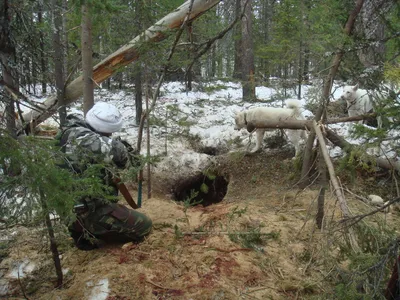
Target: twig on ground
(159, 286)
(229, 250)
(222, 233)
(261, 288)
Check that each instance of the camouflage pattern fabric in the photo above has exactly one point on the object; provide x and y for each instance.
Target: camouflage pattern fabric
(110, 223)
(101, 219)
(83, 145)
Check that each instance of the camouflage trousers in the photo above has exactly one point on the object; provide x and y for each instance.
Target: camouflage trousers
(110, 222)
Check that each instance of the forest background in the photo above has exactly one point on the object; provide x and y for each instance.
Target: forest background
(48, 44)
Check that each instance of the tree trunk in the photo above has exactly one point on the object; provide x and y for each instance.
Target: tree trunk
(87, 63)
(6, 61)
(7, 57)
(320, 205)
(125, 55)
(138, 94)
(247, 46)
(371, 28)
(53, 244)
(43, 69)
(237, 67)
(189, 72)
(300, 73)
(336, 187)
(306, 65)
(58, 59)
(214, 57)
(65, 37)
(325, 94)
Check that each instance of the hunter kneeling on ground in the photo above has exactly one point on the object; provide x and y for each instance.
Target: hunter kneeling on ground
(88, 142)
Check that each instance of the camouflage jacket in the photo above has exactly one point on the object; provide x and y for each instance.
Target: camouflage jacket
(82, 145)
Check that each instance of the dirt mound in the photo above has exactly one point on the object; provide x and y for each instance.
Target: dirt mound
(259, 242)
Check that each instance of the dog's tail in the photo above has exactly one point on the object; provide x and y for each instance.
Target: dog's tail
(295, 105)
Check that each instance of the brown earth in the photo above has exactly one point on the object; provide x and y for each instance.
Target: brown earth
(260, 242)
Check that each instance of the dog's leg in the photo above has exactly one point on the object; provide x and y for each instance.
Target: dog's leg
(259, 139)
(295, 137)
(379, 120)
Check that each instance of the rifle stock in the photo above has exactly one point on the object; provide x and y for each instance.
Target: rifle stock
(124, 191)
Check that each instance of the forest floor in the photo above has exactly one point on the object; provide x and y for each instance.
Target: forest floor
(260, 242)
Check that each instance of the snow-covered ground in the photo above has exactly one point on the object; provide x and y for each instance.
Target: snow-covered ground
(206, 115)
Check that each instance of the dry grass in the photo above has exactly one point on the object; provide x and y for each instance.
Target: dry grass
(281, 255)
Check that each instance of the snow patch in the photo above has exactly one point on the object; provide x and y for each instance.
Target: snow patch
(99, 291)
(4, 287)
(21, 269)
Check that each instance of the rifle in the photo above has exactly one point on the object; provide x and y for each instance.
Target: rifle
(124, 191)
(133, 155)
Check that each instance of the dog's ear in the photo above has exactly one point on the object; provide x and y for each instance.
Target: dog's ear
(355, 88)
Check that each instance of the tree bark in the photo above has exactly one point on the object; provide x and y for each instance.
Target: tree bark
(65, 37)
(337, 190)
(247, 48)
(370, 27)
(319, 218)
(87, 62)
(302, 124)
(58, 59)
(332, 136)
(42, 51)
(125, 55)
(7, 58)
(53, 243)
(237, 66)
(326, 92)
(138, 94)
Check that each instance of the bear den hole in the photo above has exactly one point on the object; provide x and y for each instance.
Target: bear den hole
(201, 189)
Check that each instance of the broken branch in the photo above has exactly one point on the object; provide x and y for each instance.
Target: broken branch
(337, 190)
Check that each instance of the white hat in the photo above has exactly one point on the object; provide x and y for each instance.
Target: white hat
(104, 117)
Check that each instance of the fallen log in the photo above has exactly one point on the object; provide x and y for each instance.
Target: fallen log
(384, 163)
(123, 56)
(302, 124)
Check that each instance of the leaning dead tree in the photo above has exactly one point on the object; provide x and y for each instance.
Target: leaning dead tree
(335, 183)
(122, 57)
(348, 28)
(312, 125)
(319, 118)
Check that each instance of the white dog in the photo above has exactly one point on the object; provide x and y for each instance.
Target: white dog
(358, 101)
(292, 111)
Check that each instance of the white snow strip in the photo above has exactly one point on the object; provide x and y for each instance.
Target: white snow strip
(99, 291)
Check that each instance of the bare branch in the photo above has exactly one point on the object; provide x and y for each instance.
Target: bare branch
(337, 190)
(348, 222)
